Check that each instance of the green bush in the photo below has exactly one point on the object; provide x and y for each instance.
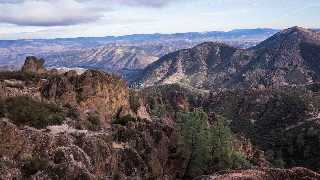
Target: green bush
(134, 101)
(94, 122)
(26, 111)
(2, 109)
(209, 148)
(34, 164)
(72, 112)
(124, 120)
(22, 76)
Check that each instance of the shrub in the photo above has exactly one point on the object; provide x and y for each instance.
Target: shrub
(26, 111)
(124, 120)
(2, 108)
(134, 101)
(34, 164)
(94, 122)
(72, 112)
(210, 148)
(22, 76)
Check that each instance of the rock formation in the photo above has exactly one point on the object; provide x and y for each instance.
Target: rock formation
(33, 65)
(140, 151)
(93, 91)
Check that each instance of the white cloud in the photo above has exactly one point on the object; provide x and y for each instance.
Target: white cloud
(48, 13)
(62, 12)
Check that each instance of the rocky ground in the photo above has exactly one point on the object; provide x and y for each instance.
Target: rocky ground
(90, 125)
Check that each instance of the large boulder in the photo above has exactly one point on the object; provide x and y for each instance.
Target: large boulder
(94, 92)
(33, 65)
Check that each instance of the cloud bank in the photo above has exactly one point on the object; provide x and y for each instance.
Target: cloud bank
(63, 12)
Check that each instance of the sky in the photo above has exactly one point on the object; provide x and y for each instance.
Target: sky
(26, 19)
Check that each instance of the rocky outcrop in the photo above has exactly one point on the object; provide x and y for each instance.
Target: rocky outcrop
(33, 65)
(264, 174)
(140, 151)
(93, 91)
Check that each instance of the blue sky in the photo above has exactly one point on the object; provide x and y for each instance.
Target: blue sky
(73, 18)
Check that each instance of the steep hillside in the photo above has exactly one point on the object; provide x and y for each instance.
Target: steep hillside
(284, 122)
(290, 57)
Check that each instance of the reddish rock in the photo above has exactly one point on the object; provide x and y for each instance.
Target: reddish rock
(265, 174)
(33, 65)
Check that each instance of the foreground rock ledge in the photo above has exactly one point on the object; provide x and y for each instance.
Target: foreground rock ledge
(265, 174)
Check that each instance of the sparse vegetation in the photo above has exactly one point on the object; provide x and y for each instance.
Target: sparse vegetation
(22, 76)
(26, 111)
(94, 122)
(134, 100)
(33, 164)
(124, 120)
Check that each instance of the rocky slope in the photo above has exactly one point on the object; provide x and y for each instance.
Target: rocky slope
(287, 58)
(48, 132)
(92, 92)
(140, 151)
(268, 174)
(91, 126)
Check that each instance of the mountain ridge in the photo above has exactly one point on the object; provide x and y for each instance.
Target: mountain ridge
(283, 59)
(63, 50)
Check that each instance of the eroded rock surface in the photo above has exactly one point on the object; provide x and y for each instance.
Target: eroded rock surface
(34, 65)
(140, 151)
(264, 174)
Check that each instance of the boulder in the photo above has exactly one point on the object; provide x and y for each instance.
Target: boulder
(94, 92)
(33, 65)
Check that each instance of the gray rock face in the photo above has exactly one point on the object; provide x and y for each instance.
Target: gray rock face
(290, 57)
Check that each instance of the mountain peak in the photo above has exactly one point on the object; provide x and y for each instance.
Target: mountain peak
(290, 37)
(300, 31)
(211, 44)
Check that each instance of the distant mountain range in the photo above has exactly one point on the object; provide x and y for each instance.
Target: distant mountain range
(290, 57)
(117, 54)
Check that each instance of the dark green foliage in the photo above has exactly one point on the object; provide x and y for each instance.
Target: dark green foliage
(134, 100)
(278, 121)
(283, 109)
(72, 112)
(210, 148)
(22, 76)
(223, 156)
(124, 120)
(34, 164)
(26, 111)
(94, 123)
(311, 52)
(195, 137)
(2, 108)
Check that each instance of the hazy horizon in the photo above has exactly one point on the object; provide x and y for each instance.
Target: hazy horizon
(48, 19)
